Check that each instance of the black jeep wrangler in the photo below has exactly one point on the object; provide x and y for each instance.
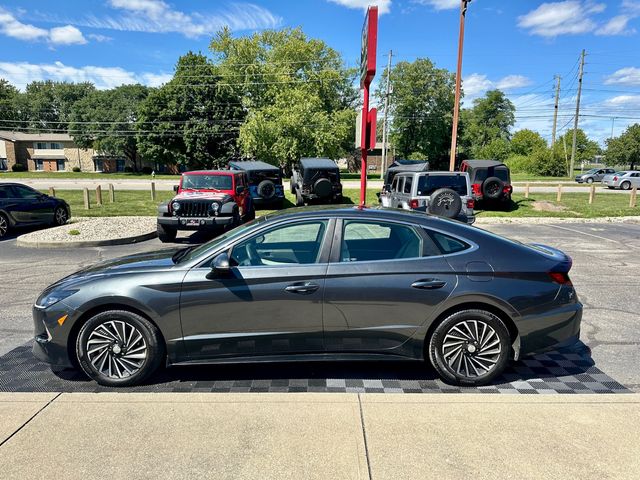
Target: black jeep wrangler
(316, 179)
(490, 182)
(265, 182)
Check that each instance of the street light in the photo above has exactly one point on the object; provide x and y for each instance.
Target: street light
(456, 106)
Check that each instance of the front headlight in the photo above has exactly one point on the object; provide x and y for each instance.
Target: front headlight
(50, 298)
(215, 207)
(175, 206)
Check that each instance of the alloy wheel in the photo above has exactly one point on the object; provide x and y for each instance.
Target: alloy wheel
(116, 349)
(61, 216)
(471, 348)
(4, 226)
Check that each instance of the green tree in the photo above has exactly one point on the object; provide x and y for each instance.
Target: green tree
(421, 109)
(299, 94)
(525, 142)
(491, 118)
(10, 106)
(192, 120)
(586, 149)
(497, 149)
(49, 104)
(625, 149)
(105, 120)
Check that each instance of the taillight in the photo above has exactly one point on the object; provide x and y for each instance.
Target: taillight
(507, 189)
(413, 204)
(471, 204)
(476, 189)
(561, 278)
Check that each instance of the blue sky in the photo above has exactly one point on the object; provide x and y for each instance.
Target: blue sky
(515, 45)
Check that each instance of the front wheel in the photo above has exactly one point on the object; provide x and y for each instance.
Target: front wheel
(625, 185)
(470, 347)
(118, 348)
(166, 233)
(4, 225)
(60, 216)
(589, 180)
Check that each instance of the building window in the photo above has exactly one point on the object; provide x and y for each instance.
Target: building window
(119, 165)
(98, 165)
(3, 164)
(41, 145)
(60, 165)
(39, 165)
(56, 146)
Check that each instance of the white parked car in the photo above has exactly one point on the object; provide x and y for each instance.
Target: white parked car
(624, 180)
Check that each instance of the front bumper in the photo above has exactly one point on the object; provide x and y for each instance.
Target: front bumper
(188, 223)
(50, 343)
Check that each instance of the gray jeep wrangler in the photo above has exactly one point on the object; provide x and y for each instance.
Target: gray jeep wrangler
(316, 179)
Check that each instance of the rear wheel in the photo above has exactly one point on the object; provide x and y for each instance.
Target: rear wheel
(625, 185)
(118, 348)
(470, 347)
(166, 233)
(4, 225)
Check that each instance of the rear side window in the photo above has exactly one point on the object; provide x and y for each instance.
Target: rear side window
(447, 244)
(483, 173)
(407, 184)
(427, 184)
(372, 241)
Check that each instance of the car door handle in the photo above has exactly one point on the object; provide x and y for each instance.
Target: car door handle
(428, 284)
(303, 288)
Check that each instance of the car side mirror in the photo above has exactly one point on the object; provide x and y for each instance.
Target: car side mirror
(176, 188)
(220, 266)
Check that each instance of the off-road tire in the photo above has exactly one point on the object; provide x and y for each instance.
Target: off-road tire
(492, 188)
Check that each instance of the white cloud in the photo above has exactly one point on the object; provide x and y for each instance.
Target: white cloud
(513, 81)
(440, 4)
(99, 38)
(12, 27)
(625, 76)
(623, 101)
(570, 17)
(157, 16)
(384, 6)
(22, 73)
(476, 84)
(616, 26)
(68, 35)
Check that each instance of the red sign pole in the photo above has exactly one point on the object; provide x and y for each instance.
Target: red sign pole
(367, 72)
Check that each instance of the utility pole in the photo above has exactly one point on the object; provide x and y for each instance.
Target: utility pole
(555, 112)
(384, 122)
(456, 106)
(575, 121)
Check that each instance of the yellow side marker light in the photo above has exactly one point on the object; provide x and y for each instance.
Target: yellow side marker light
(62, 319)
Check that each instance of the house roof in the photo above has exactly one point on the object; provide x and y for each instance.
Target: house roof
(34, 137)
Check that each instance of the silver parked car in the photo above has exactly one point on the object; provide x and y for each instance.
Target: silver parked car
(594, 175)
(624, 180)
(446, 194)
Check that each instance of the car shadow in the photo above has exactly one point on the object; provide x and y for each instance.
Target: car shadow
(14, 233)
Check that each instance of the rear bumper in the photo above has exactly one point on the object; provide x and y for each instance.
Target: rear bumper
(555, 329)
(180, 223)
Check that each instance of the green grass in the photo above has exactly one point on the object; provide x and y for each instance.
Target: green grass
(130, 202)
(86, 175)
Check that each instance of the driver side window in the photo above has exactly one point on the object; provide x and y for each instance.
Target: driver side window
(299, 243)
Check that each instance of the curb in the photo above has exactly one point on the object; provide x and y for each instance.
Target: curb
(547, 220)
(21, 242)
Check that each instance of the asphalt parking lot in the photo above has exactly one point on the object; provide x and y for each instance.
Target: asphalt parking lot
(605, 273)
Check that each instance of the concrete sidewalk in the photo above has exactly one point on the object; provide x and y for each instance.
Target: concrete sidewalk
(334, 436)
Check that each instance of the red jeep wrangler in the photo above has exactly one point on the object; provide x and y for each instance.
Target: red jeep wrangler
(206, 200)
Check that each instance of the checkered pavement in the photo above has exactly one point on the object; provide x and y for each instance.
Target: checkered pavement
(569, 370)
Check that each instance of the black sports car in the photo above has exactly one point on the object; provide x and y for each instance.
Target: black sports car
(313, 284)
(22, 206)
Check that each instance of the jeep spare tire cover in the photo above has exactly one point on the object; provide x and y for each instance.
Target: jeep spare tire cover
(267, 189)
(445, 202)
(322, 187)
(492, 188)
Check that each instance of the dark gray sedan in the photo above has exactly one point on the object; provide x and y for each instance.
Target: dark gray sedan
(315, 284)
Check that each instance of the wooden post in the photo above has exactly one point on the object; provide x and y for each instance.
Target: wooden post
(633, 197)
(112, 193)
(52, 192)
(153, 191)
(526, 190)
(99, 195)
(559, 197)
(592, 193)
(87, 202)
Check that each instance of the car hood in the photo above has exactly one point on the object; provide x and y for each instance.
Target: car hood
(200, 195)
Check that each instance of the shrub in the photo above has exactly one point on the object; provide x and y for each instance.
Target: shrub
(521, 164)
(549, 162)
(75, 169)
(74, 232)
(128, 169)
(497, 149)
(147, 170)
(17, 167)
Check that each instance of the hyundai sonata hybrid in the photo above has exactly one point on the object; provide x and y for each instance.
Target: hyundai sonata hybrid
(316, 283)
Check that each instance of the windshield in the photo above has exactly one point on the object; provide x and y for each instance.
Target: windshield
(427, 184)
(207, 182)
(193, 253)
(593, 170)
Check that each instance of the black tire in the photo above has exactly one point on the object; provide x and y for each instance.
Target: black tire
(458, 369)
(299, 199)
(129, 325)
(4, 225)
(589, 180)
(323, 188)
(166, 233)
(625, 185)
(60, 216)
(445, 202)
(266, 189)
(292, 184)
(251, 214)
(492, 188)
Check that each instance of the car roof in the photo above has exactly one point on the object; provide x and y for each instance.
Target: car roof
(318, 163)
(252, 165)
(483, 163)
(211, 172)
(410, 167)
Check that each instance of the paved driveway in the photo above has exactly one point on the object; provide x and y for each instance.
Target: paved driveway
(606, 265)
